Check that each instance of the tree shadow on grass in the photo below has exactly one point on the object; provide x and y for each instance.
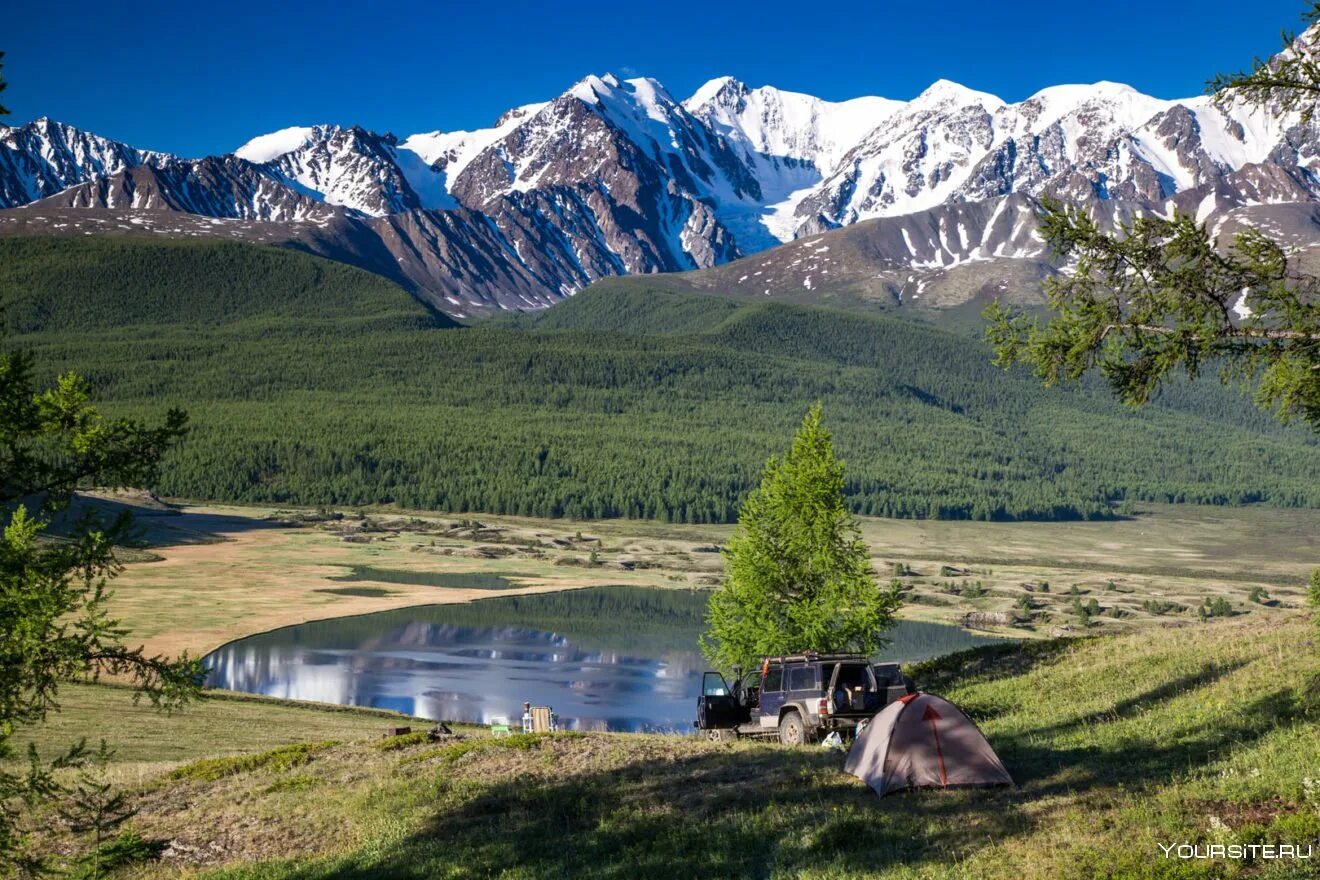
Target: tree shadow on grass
(988, 663)
(733, 814)
(1139, 762)
(1145, 701)
(158, 525)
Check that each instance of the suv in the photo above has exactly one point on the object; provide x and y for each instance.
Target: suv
(798, 698)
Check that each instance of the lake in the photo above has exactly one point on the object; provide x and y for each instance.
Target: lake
(605, 658)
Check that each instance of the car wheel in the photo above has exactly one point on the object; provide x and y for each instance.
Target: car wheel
(792, 732)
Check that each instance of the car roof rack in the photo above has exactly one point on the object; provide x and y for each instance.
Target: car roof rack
(812, 656)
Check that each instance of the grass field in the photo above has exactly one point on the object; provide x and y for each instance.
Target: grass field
(147, 742)
(222, 573)
(1117, 745)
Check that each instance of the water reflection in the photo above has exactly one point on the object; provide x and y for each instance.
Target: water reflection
(610, 658)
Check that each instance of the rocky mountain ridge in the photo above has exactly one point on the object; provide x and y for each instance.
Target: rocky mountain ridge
(617, 177)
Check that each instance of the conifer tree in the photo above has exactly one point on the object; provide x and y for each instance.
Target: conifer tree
(1162, 294)
(798, 574)
(53, 620)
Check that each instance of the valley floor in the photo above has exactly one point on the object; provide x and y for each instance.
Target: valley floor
(212, 574)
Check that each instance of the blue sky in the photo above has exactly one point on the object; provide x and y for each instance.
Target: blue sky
(195, 79)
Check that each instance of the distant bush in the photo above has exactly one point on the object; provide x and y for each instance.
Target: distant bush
(973, 591)
(1161, 607)
(1086, 611)
(1259, 595)
(1216, 606)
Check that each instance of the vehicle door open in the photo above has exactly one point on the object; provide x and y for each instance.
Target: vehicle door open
(717, 707)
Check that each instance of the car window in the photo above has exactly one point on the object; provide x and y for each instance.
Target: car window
(887, 675)
(802, 678)
(713, 685)
(853, 676)
(773, 680)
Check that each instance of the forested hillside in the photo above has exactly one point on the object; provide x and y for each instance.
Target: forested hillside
(312, 383)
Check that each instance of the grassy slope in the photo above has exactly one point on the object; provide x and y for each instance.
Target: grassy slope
(1117, 745)
(146, 742)
(312, 383)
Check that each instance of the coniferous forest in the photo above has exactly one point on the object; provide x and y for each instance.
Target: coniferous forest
(310, 382)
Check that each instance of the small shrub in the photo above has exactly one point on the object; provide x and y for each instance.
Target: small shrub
(522, 742)
(900, 569)
(126, 848)
(276, 760)
(297, 782)
(402, 741)
(1216, 606)
(1159, 607)
(1259, 595)
(95, 807)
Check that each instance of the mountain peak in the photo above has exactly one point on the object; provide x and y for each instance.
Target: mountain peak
(714, 89)
(591, 87)
(1127, 106)
(946, 91)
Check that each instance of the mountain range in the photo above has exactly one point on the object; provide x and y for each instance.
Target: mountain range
(766, 192)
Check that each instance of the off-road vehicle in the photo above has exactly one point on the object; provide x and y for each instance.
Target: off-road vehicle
(798, 698)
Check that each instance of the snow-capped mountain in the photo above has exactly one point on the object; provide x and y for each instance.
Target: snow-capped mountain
(1104, 141)
(617, 177)
(351, 167)
(788, 141)
(43, 157)
(221, 187)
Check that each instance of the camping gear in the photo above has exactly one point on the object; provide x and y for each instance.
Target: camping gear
(924, 741)
(541, 719)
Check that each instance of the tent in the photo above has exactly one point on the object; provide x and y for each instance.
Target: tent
(924, 741)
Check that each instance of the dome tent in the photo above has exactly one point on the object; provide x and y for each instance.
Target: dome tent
(924, 741)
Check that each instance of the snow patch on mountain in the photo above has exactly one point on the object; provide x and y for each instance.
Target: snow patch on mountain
(449, 152)
(269, 147)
